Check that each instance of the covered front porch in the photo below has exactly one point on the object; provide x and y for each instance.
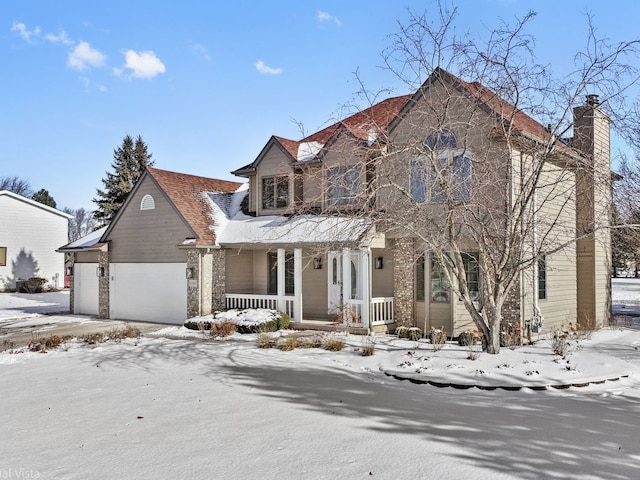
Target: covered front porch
(323, 290)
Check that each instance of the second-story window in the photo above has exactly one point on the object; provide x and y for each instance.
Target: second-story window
(344, 185)
(275, 192)
(444, 172)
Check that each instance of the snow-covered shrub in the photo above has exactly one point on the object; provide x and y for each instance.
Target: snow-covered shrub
(368, 345)
(314, 341)
(288, 343)
(248, 320)
(438, 336)
(266, 340)
(93, 338)
(333, 344)
(402, 332)
(118, 334)
(223, 329)
(414, 333)
(33, 285)
(468, 338)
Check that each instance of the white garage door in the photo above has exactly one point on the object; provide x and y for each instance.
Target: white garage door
(155, 292)
(85, 289)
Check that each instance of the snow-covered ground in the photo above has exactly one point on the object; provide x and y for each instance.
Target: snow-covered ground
(185, 407)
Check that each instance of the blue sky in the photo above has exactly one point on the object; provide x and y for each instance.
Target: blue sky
(206, 83)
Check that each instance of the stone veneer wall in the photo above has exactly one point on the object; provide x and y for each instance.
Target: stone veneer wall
(103, 286)
(511, 307)
(403, 281)
(193, 284)
(218, 280)
(72, 288)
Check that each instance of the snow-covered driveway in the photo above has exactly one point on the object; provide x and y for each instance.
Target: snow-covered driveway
(162, 408)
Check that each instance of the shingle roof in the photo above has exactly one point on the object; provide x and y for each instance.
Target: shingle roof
(376, 118)
(184, 192)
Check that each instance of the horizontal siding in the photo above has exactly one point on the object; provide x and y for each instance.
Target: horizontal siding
(148, 236)
(239, 271)
(382, 279)
(315, 303)
(31, 235)
(87, 257)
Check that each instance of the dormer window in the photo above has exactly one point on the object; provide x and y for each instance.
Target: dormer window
(275, 192)
(443, 172)
(147, 203)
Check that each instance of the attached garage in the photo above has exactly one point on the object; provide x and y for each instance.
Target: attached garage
(154, 292)
(85, 282)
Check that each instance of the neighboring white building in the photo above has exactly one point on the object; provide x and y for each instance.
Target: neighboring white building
(30, 232)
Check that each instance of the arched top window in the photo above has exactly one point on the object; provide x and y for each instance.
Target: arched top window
(147, 203)
(440, 140)
(443, 173)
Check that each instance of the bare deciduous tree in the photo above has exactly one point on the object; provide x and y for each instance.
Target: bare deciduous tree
(467, 174)
(16, 185)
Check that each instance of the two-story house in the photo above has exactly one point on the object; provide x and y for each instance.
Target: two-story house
(337, 226)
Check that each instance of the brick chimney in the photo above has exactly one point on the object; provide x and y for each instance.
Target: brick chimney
(593, 210)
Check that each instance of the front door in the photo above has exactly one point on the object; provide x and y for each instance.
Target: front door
(336, 280)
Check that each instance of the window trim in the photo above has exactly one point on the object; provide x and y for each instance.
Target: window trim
(449, 159)
(277, 182)
(467, 260)
(420, 278)
(347, 190)
(542, 277)
(272, 273)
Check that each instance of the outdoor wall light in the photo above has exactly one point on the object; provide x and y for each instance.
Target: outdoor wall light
(189, 272)
(379, 263)
(317, 263)
(99, 271)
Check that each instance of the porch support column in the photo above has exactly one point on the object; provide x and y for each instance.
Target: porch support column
(297, 284)
(346, 284)
(72, 282)
(403, 281)
(103, 285)
(365, 275)
(194, 296)
(280, 271)
(218, 280)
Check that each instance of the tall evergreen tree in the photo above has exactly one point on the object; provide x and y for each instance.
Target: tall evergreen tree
(130, 160)
(44, 197)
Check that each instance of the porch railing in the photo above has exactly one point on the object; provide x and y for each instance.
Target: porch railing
(380, 310)
(273, 302)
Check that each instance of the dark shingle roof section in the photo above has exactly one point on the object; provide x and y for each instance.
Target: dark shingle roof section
(184, 191)
(375, 118)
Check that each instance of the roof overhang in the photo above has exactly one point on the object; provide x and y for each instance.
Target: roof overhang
(304, 231)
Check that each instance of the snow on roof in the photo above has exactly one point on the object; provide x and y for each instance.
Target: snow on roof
(303, 229)
(87, 241)
(224, 206)
(308, 151)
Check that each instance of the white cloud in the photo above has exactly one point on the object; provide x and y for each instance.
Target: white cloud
(83, 57)
(26, 34)
(142, 64)
(266, 69)
(201, 49)
(327, 17)
(60, 38)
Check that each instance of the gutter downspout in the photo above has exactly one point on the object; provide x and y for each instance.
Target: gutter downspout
(537, 319)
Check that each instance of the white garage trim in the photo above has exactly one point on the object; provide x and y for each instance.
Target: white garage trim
(155, 292)
(85, 289)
